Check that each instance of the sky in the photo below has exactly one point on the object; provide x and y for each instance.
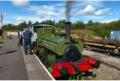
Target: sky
(17, 11)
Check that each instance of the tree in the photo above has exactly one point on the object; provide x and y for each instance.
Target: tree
(29, 23)
(61, 24)
(49, 22)
(9, 27)
(91, 28)
(78, 25)
(22, 25)
(90, 22)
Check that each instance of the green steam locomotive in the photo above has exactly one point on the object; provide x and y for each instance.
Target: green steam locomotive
(60, 53)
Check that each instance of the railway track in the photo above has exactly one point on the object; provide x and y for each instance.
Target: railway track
(107, 64)
(112, 62)
(106, 73)
(104, 51)
(108, 47)
(109, 68)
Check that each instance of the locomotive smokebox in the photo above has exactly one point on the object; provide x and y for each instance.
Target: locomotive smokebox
(68, 29)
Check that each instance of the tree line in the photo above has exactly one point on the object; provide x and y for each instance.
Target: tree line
(96, 28)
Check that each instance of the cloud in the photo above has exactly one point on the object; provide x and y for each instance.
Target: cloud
(41, 8)
(18, 19)
(88, 10)
(57, 11)
(109, 20)
(47, 11)
(41, 11)
(44, 10)
(93, 17)
(101, 12)
(93, 2)
(25, 18)
(91, 11)
(20, 3)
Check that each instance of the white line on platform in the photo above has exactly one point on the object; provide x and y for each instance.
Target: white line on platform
(40, 64)
(44, 67)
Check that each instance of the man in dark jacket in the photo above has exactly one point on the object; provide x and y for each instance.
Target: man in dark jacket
(27, 34)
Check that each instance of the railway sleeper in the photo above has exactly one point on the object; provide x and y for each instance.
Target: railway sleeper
(108, 51)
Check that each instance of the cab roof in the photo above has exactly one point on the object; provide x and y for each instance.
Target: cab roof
(46, 25)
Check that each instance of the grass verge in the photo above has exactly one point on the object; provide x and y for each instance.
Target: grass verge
(2, 40)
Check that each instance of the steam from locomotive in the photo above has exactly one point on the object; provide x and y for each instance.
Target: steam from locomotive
(68, 8)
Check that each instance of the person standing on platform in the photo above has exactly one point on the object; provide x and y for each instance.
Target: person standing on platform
(27, 35)
(20, 36)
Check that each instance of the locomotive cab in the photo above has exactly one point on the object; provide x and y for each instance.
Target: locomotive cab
(34, 29)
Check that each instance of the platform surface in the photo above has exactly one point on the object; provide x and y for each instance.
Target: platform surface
(12, 65)
(35, 70)
(15, 65)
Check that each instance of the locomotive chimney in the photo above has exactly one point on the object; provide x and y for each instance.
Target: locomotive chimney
(68, 29)
(68, 8)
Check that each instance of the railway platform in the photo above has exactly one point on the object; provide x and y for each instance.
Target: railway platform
(12, 62)
(15, 65)
(35, 68)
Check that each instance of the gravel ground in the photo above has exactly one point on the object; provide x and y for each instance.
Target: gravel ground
(102, 57)
(106, 73)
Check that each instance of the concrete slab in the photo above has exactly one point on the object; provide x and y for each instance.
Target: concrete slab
(12, 62)
(35, 70)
